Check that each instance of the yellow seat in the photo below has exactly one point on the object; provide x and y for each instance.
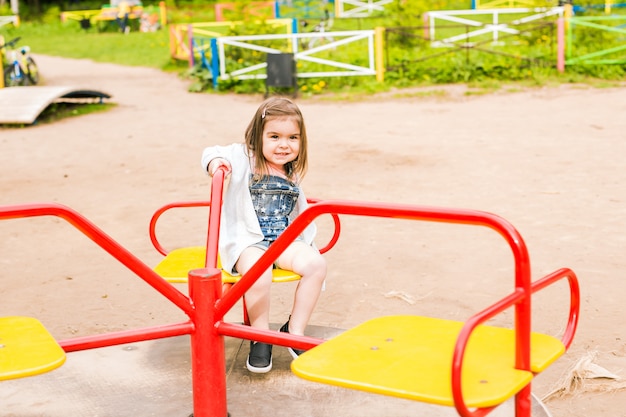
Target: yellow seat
(411, 357)
(176, 265)
(27, 348)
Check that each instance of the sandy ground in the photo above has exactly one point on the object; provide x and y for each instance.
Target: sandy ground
(548, 160)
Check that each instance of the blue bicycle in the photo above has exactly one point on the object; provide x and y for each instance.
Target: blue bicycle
(19, 68)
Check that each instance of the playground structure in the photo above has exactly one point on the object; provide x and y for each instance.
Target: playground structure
(464, 379)
(109, 12)
(23, 105)
(339, 53)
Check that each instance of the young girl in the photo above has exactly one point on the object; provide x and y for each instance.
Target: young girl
(261, 199)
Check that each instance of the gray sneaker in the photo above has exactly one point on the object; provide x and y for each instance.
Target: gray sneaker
(293, 352)
(260, 358)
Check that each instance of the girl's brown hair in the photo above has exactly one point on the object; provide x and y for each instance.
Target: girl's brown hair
(276, 107)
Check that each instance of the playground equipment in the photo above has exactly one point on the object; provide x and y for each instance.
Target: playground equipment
(27, 348)
(465, 373)
(24, 105)
(109, 12)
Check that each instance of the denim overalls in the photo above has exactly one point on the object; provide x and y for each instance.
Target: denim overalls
(273, 198)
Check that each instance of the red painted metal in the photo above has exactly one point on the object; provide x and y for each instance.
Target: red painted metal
(157, 214)
(335, 237)
(574, 308)
(267, 336)
(206, 305)
(523, 398)
(105, 242)
(208, 361)
(128, 336)
(207, 203)
(374, 210)
(213, 232)
(520, 299)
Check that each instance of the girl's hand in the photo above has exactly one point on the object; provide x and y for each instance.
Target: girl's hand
(216, 163)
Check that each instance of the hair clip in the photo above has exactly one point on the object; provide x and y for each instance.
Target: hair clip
(263, 114)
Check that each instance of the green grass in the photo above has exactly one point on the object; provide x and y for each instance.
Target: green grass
(69, 41)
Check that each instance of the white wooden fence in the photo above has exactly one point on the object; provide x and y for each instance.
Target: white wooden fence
(5, 20)
(476, 19)
(359, 8)
(319, 44)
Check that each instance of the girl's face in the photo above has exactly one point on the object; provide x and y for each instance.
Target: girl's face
(281, 142)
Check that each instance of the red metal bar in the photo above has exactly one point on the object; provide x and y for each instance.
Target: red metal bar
(129, 336)
(574, 308)
(474, 217)
(207, 203)
(157, 214)
(213, 232)
(103, 240)
(523, 399)
(267, 336)
(335, 237)
(459, 350)
(336, 233)
(208, 363)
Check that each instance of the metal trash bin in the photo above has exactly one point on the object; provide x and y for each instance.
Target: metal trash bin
(281, 72)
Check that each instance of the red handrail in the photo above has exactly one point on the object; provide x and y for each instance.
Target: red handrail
(381, 210)
(104, 241)
(213, 231)
(157, 214)
(207, 203)
(512, 299)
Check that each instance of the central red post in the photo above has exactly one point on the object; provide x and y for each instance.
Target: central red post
(208, 357)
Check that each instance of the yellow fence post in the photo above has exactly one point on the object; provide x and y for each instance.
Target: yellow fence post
(567, 14)
(379, 34)
(2, 62)
(163, 11)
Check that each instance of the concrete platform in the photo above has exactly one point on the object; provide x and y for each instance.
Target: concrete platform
(22, 105)
(154, 379)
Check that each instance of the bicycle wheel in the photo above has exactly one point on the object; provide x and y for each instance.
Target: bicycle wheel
(32, 72)
(12, 78)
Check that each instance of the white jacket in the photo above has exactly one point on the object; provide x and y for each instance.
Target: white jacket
(239, 225)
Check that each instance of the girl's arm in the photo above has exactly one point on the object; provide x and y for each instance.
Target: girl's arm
(216, 163)
(215, 156)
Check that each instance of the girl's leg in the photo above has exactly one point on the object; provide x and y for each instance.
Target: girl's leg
(258, 296)
(258, 308)
(307, 262)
